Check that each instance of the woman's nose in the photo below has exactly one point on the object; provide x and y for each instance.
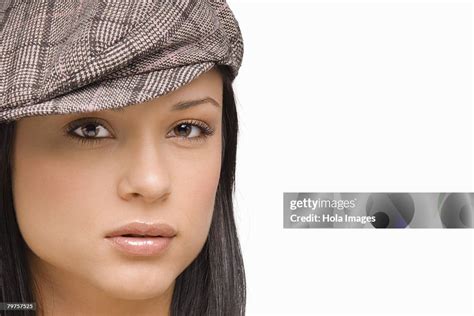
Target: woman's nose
(145, 175)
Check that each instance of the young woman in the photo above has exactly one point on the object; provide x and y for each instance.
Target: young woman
(116, 185)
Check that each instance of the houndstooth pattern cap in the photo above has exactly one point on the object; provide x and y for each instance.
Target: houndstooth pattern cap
(67, 56)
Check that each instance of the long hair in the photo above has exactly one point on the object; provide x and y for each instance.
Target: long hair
(213, 284)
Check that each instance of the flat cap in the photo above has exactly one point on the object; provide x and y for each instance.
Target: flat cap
(60, 57)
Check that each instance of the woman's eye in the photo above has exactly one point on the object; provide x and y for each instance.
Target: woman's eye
(87, 131)
(187, 130)
(192, 131)
(91, 130)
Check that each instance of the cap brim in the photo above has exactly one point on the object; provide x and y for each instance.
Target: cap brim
(112, 93)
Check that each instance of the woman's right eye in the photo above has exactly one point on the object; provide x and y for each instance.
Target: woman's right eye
(87, 131)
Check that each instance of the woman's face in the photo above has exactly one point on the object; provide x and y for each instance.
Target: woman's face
(150, 163)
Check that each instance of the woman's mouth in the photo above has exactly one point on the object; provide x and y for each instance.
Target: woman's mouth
(142, 239)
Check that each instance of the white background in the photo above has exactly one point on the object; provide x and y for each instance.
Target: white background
(351, 96)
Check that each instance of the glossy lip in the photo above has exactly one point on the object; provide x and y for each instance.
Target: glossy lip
(157, 237)
(147, 229)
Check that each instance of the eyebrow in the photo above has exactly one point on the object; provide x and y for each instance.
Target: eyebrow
(187, 104)
(183, 105)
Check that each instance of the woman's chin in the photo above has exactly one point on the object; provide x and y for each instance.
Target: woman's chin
(135, 286)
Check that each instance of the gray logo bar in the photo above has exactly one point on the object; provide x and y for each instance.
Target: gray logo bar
(377, 210)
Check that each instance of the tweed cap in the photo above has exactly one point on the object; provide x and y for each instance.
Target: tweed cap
(67, 56)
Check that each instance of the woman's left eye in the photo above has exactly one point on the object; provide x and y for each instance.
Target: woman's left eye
(93, 130)
(192, 131)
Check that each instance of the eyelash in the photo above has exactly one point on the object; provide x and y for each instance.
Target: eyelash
(206, 131)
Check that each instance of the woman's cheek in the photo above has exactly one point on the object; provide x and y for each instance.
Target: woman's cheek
(196, 185)
(54, 203)
(45, 218)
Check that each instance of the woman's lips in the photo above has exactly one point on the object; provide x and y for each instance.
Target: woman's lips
(144, 229)
(142, 239)
(140, 246)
